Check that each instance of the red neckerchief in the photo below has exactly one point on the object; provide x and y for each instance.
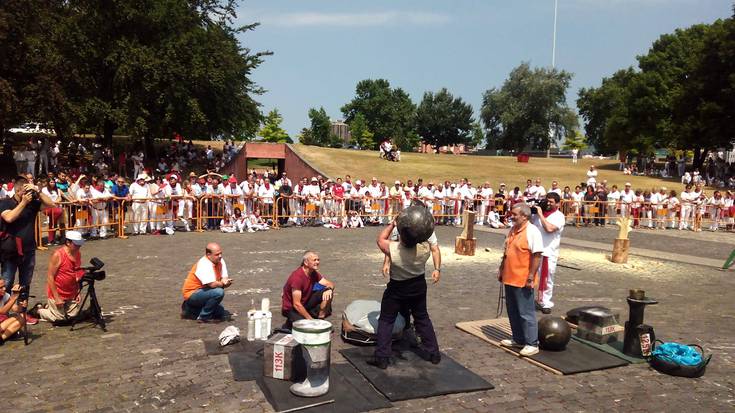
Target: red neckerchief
(547, 213)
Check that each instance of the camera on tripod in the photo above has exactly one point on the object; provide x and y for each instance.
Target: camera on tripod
(93, 273)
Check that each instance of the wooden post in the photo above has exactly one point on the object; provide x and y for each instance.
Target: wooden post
(621, 245)
(465, 243)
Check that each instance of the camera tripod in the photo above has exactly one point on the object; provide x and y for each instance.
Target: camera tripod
(94, 306)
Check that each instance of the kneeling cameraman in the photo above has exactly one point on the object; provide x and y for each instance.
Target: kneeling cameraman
(63, 287)
(10, 319)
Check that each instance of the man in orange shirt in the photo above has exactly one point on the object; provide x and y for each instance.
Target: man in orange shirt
(518, 268)
(204, 287)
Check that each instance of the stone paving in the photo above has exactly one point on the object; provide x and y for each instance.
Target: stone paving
(150, 359)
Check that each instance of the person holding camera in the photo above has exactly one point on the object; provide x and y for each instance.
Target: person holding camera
(62, 284)
(17, 233)
(204, 286)
(550, 222)
(10, 320)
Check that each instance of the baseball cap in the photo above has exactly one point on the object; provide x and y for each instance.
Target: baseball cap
(75, 237)
(232, 180)
(397, 182)
(313, 179)
(628, 184)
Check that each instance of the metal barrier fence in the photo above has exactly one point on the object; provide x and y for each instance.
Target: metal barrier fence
(121, 216)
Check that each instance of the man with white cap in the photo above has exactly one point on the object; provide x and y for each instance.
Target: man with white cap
(626, 200)
(64, 273)
(357, 195)
(139, 194)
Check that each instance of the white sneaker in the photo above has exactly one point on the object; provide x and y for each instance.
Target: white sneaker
(509, 343)
(529, 351)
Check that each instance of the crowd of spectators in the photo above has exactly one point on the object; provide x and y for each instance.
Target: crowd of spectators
(92, 190)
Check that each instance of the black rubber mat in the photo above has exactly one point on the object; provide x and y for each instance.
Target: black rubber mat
(412, 378)
(578, 358)
(246, 365)
(349, 391)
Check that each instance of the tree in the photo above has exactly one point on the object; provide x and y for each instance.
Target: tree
(575, 141)
(360, 134)
(272, 131)
(530, 103)
(306, 137)
(478, 135)
(681, 96)
(442, 119)
(320, 127)
(143, 68)
(389, 113)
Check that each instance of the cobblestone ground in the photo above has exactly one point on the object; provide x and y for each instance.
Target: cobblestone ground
(150, 359)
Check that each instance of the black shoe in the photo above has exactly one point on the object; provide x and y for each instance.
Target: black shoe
(546, 310)
(538, 306)
(379, 362)
(434, 358)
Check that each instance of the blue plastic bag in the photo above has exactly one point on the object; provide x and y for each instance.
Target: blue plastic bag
(676, 353)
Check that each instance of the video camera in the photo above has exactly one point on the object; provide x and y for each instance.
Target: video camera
(543, 205)
(93, 273)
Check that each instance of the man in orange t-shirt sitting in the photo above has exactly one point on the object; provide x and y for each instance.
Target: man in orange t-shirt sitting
(204, 287)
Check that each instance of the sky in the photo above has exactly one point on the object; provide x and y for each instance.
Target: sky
(322, 48)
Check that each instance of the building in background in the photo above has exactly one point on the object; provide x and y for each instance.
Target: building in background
(342, 130)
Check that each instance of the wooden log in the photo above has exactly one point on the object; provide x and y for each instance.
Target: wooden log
(465, 246)
(620, 251)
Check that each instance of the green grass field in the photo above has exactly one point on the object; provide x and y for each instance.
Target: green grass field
(493, 169)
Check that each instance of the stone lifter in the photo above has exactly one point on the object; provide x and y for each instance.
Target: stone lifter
(406, 289)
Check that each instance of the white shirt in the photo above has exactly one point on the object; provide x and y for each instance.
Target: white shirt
(627, 197)
(105, 193)
(311, 191)
(551, 240)
(138, 191)
(205, 270)
(374, 190)
(266, 193)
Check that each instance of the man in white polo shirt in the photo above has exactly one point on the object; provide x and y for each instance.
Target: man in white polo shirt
(204, 286)
(550, 222)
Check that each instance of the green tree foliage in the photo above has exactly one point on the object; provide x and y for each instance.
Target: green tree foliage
(272, 131)
(360, 134)
(575, 140)
(306, 137)
(682, 95)
(389, 113)
(477, 137)
(520, 114)
(442, 119)
(320, 130)
(144, 68)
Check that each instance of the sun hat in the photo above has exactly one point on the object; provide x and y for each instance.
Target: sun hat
(75, 237)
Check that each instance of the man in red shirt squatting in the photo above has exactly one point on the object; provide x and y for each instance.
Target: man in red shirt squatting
(307, 294)
(64, 273)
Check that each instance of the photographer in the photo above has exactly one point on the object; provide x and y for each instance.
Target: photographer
(64, 273)
(10, 321)
(17, 233)
(550, 222)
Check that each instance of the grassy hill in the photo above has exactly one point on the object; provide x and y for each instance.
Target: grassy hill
(431, 167)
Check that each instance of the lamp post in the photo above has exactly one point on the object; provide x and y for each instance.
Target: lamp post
(552, 133)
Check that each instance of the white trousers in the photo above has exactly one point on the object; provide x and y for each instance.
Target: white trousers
(140, 215)
(686, 216)
(100, 218)
(544, 295)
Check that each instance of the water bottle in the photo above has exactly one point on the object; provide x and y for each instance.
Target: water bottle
(251, 321)
(265, 305)
(265, 325)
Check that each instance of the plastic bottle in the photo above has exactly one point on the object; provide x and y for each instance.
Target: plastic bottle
(251, 321)
(258, 316)
(266, 325)
(265, 304)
